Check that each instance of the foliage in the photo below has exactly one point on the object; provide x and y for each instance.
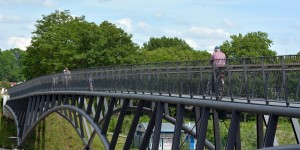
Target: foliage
(4, 84)
(61, 40)
(165, 42)
(7, 129)
(113, 47)
(10, 62)
(173, 54)
(54, 133)
(253, 44)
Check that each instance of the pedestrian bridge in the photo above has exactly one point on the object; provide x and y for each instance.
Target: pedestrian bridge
(267, 87)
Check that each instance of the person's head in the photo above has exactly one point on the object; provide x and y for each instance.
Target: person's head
(217, 49)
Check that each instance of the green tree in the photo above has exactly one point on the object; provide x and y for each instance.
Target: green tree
(113, 47)
(253, 44)
(61, 40)
(10, 62)
(173, 54)
(165, 42)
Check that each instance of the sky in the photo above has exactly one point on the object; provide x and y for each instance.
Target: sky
(202, 24)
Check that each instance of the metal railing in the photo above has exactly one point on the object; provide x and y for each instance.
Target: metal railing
(269, 79)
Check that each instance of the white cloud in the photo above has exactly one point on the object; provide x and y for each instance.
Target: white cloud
(103, 0)
(192, 43)
(48, 3)
(8, 19)
(297, 26)
(45, 3)
(158, 15)
(125, 23)
(229, 24)
(199, 38)
(144, 25)
(19, 42)
(174, 33)
(208, 33)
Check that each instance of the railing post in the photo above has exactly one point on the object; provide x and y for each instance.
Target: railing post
(283, 75)
(158, 79)
(149, 80)
(168, 87)
(246, 80)
(190, 80)
(201, 84)
(229, 80)
(133, 80)
(178, 80)
(264, 79)
(216, 91)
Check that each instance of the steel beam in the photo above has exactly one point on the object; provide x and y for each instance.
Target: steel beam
(118, 127)
(149, 129)
(203, 128)
(271, 130)
(233, 130)
(133, 125)
(108, 115)
(178, 126)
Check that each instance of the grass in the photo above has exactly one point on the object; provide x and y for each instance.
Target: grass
(54, 133)
(7, 129)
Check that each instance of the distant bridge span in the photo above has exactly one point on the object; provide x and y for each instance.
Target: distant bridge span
(265, 86)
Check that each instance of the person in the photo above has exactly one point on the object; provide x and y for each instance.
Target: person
(217, 60)
(67, 76)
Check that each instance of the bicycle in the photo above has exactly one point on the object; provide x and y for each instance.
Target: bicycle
(220, 85)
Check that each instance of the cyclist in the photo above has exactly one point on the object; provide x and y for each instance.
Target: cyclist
(217, 59)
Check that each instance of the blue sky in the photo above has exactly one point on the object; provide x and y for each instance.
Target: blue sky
(202, 24)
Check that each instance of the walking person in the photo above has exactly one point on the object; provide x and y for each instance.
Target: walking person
(67, 77)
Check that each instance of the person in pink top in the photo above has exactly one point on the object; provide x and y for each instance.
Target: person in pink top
(217, 59)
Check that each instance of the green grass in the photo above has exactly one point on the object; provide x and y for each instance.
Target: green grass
(7, 129)
(54, 133)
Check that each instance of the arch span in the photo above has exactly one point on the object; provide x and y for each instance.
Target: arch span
(97, 129)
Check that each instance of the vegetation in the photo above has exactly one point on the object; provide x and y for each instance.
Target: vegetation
(253, 44)
(54, 133)
(61, 40)
(173, 54)
(7, 129)
(164, 42)
(10, 62)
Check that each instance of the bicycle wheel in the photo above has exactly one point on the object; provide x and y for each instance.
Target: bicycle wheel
(220, 88)
(209, 86)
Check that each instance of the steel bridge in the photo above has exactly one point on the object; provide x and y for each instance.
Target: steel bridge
(266, 87)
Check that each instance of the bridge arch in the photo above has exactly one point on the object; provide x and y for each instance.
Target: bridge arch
(97, 129)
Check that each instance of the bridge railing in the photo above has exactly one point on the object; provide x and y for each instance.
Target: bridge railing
(261, 78)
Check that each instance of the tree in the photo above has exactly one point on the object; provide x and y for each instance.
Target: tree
(61, 40)
(10, 62)
(253, 44)
(165, 42)
(173, 54)
(113, 47)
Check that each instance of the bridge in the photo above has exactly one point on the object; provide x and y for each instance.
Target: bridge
(267, 87)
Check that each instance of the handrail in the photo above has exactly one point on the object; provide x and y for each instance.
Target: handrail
(259, 78)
